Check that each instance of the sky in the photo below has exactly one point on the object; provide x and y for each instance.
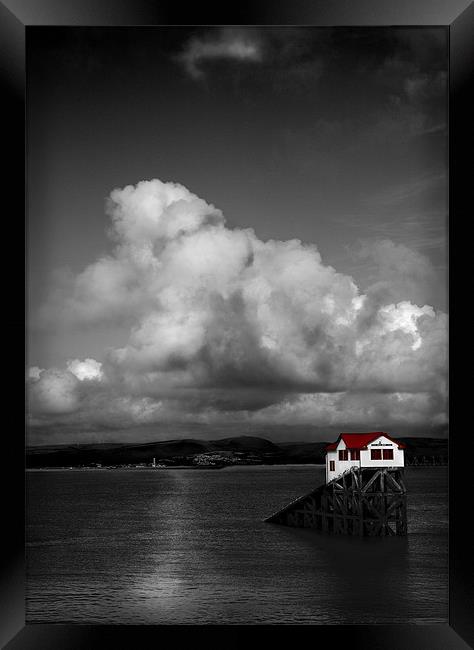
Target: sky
(236, 231)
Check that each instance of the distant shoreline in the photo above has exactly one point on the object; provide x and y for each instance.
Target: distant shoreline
(193, 467)
(155, 469)
(240, 451)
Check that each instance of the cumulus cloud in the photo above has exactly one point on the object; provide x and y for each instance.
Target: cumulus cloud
(225, 325)
(85, 370)
(357, 409)
(34, 372)
(397, 272)
(54, 391)
(240, 46)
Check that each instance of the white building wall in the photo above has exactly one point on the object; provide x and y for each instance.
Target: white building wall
(382, 443)
(341, 466)
(331, 455)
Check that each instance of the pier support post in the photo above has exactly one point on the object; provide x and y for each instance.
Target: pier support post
(363, 502)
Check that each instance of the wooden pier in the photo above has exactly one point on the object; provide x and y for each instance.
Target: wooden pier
(362, 502)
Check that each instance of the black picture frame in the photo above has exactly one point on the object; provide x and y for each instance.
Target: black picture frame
(16, 17)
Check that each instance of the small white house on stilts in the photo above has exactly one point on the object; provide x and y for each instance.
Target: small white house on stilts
(363, 450)
(364, 493)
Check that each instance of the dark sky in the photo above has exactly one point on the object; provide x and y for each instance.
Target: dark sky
(336, 137)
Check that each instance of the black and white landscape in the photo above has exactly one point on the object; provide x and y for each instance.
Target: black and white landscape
(236, 250)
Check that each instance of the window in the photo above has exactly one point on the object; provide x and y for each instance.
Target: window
(376, 454)
(355, 454)
(343, 454)
(332, 466)
(388, 454)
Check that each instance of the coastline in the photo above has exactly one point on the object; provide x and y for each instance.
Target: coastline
(193, 467)
(170, 467)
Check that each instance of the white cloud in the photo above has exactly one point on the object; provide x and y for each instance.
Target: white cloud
(404, 317)
(222, 44)
(88, 369)
(34, 372)
(396, 272)
(54, 392)
(216, 311)
(373, 410)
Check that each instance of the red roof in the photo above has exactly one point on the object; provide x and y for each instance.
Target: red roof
(361, 440)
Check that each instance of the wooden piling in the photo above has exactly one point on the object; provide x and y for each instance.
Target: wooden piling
(363, 502)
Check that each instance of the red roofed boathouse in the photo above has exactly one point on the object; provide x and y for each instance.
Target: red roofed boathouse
(375, 449)
(364, 493)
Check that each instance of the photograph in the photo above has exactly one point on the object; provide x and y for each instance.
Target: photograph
(237, 325)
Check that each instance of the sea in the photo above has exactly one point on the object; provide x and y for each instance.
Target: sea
(190, 546)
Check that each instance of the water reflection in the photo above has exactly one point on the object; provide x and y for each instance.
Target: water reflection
(190, 546)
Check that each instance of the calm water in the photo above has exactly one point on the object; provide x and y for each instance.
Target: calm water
(189, 546)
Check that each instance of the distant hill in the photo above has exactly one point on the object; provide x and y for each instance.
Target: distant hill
(241, 449)
(419, 448)
(244, 443)
(304, 452)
